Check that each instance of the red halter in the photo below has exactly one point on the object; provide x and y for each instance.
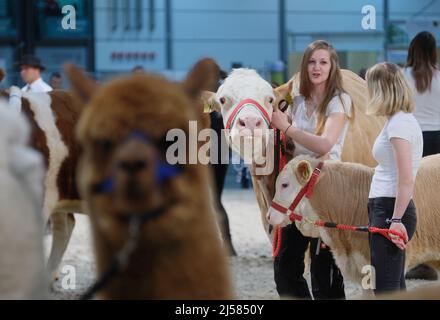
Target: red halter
(241, 105)
(307, 190)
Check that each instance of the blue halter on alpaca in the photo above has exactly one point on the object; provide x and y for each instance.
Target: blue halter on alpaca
(164, 171)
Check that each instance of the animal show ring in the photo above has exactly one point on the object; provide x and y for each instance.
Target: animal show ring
(307, 191)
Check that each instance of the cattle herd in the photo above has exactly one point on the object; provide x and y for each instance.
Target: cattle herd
(100, 150)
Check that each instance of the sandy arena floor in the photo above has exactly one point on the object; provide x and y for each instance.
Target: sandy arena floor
(252, 268)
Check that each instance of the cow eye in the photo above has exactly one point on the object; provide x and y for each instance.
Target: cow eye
(285, 185)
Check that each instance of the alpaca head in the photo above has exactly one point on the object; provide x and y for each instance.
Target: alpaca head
(123, 170)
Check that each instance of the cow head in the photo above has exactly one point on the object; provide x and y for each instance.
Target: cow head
(123, 169)
(289, 182)
(246, 102)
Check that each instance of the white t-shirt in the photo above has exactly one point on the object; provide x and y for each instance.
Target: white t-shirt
(427, 103)
(400, 125)
(303, 122)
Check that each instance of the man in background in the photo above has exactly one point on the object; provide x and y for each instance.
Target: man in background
(30, 71)
(55, 81)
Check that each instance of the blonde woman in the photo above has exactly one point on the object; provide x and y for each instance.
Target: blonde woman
(320, 120)
(398, 151)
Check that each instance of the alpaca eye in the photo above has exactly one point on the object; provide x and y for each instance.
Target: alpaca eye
(222, 100)
(285, 185)
(270, 100)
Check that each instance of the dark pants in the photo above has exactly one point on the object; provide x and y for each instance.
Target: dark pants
(431, 142)
(386, 258)
(327, 281)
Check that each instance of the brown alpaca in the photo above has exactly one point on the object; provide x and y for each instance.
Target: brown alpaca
(179, 254)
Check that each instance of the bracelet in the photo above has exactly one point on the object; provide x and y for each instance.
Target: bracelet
(285, 131)
(393, 220)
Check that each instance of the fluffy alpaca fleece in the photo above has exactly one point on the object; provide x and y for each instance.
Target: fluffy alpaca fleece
(179, 254)
(341, 195)
(22, 272)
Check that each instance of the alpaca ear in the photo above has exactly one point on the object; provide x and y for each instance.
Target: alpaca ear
(209, 102)
(283, 95)
(82, 85)
(303, 171)
(205, 75)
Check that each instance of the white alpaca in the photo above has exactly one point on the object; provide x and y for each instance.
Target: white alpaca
(22, 271)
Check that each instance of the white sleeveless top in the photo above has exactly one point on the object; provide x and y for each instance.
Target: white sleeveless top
(303, 122)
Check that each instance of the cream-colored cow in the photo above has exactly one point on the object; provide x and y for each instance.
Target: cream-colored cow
(341, 195)
(251, 124)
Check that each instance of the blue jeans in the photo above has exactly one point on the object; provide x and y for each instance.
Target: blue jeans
(387, 259)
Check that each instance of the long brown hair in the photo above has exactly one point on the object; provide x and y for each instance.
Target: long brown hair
(333, 83)
(422, 57)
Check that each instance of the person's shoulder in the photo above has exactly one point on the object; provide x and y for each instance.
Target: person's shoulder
(45, 86)
(341, 102)
(341, 96)
(436, 75)
(402, 119)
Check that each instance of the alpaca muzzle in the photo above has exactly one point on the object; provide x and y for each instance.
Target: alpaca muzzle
(136, 166)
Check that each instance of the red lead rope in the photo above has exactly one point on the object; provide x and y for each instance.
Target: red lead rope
(323, 224)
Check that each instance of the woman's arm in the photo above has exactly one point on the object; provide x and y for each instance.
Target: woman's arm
(405, 187)
(320, 145)
(405, 179)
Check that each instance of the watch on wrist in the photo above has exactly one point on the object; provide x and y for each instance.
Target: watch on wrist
(394, 220)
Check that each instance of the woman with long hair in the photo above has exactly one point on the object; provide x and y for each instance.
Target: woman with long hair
(423, 77)
(320, 116)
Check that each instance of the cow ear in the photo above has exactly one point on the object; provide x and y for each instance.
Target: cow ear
(209, 102)
(303, 171)
(205, 75)
(283, 95)
(83, 85)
